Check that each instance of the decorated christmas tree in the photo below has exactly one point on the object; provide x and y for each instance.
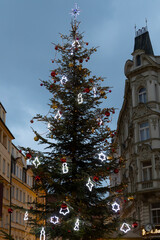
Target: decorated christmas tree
(72, 174)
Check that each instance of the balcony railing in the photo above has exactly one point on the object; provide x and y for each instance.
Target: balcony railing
(146, 185)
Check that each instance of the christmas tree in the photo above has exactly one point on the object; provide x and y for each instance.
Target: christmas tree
(72, 174)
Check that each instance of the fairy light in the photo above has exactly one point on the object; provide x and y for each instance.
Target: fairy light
(36, 162)
(125, 227)
(80, 98)
(90, 185)
(64, 168)
(42, 235)
(26, 216)
(76, 227)
(115, 207)
(54, 220)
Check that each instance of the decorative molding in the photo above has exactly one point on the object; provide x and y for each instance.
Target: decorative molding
(154, 121)
(144, 152)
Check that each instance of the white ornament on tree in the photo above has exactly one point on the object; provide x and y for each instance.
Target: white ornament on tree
(80, 98)
(63, 80)
(58, 115)
(95, 91)
(64, 211)
(75, 11)
(36, 162)
(115, 207)
(42, 235)
(76, 227)
(26, 216)
(90, 185)
(54, 220)
(65, 168)
(125, 227)
(102, 156)
(99, 121)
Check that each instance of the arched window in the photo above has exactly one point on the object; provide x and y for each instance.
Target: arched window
(142, 95)
(138, 60)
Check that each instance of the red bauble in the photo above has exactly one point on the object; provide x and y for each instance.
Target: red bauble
(77, 38)
(51, 86)
(37, 178)
(31, 121)
(63, 160)
(28, 155)
(135, 224)
(86, 43)
(107, 114)
(116, 170)
(86, 90)
(107, 168)
(113, 111)
(76, 49)
(64, 205)
(20, 151)
(31, 208)
(52, 61)
(80, 60)
(95, 178)
(56, 47)
(110, 91)
(41, 84)
(69, 231)
(53, 73)
(10, 210)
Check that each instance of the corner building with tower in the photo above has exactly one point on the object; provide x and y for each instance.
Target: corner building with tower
(138, 139)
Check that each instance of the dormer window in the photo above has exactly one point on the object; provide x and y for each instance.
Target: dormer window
(138, 60)
(142, 95)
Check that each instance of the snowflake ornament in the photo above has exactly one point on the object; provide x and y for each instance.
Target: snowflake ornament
(90, 185)
(125, 228)
(54, 220)
(76, 227)
(115, 207)
(102, 156)
(75, 11)
(63, 80)
(36, 162)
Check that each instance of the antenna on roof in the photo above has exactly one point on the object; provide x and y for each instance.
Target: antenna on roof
(135, 28)
(146, 22)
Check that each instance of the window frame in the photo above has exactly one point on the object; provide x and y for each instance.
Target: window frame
(144, 130)
(157, 216)
(148, 170)
(142, 95)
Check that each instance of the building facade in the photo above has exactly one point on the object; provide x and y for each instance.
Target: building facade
(138, 138)
(16, 181)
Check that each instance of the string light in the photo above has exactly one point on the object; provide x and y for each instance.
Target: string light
(115, 207)
(90, 185)
(42, 235)
(125, 228)
(76, 227)
(63, 80)
(26, 216)
(64, 168)
(36, 162)
(58, 115)
(102, 156)
(80, 98)
(54, 220)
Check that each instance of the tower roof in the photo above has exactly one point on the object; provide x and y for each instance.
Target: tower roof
(143, 42)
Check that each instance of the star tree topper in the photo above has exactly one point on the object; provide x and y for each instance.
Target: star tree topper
(75, 11)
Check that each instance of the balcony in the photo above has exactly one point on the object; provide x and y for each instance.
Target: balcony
(148, 185)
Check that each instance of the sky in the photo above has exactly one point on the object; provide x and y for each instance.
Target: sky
(29, 27)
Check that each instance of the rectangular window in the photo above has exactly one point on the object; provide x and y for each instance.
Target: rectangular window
(8, 170)
(12, 152)
(5, 140)
(155, 213)
(20, 171)
(4, 166)
(7, 194)
(24, 197)
(9, 146)
(146, 171)
(13, 189)
(144, 131)
(17, 171)
(20, 198)
(16, 193)
(16, 217)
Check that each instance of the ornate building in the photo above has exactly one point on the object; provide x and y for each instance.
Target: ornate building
(138, 137)
(16, 180)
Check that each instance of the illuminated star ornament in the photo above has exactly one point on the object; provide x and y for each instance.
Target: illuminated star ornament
(75, 11)
(36, 162)
(63, 80)
(90, 185)
(102, 156)
(115, 207)
(42, 235)
(54, 220)
(26, 216)
(125, 228)
(76, 228)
